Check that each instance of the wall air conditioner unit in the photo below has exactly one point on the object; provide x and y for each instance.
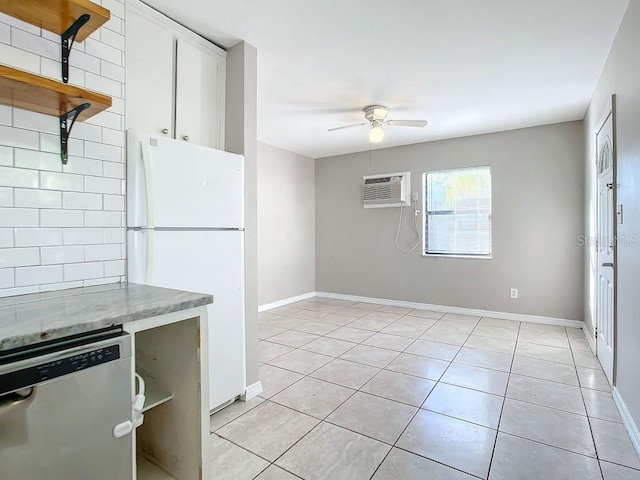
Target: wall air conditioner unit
(386, 190)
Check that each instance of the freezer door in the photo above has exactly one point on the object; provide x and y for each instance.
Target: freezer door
(206, 262)
(177, 184)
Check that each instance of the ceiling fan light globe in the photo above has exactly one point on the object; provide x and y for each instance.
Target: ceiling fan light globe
(376, 134)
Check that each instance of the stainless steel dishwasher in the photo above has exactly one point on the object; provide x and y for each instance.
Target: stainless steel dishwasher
(65, 410)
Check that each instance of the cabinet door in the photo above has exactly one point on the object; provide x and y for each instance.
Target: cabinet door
(199, 108)
(150, 75)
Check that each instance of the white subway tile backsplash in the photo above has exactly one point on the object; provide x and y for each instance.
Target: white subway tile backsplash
(103, 152)
(63, 226)
(103, 84)
(112, 39)
(113, 170)
(35, 121)
(62, 254)
(19, 257)
(114, 202)
(6, 156)
(112, 186)
(83, 271)
(18, 58)
(16, 22)
(34, 43)
(101, 281)
(81, 201)
(102, 219)
(9, 292)
(32, 198)
(5, 113)
(114, 268)
(19, 217)
(82, 61)
(27, 276)
(18, 177)
(7, 278)
(6, 237)
(82, 236)
(37, 160)
(61, 181)
(51, 68)
(51, 143)
(6, 197)
(37, 237)
(61, 218)
(83, 166)
(114, 235)
(114, 72)
(113, 137)
(102, 252)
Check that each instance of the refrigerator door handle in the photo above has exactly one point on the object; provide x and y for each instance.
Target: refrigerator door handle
(146, 165)
(148, 268)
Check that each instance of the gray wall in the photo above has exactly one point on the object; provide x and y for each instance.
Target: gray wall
(538, 214)
(241, 137)
(621, 76)
(286, 224)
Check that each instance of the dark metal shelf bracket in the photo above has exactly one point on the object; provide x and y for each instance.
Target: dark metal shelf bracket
(66, 124)
(68, 37)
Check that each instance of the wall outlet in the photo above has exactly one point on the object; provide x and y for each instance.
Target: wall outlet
(415, 197)
(514, 293)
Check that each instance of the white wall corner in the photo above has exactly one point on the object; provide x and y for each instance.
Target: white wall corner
(518, 317)
(627, 420)
(252, 391)
(286, 301)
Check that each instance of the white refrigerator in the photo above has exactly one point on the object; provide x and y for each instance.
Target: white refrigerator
(185, 230)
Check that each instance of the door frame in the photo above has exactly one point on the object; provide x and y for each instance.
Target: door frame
(608, 111)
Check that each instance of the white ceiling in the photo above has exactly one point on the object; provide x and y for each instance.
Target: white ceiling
(467, 66)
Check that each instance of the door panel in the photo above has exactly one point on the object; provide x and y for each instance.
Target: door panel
(150, 75)
(205, 262)
(605, 285)
(198, 108)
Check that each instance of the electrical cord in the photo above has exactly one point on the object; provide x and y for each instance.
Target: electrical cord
(415, 222)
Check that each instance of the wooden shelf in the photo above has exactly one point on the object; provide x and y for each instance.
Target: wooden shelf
(57, 15)
(155, 394)
(44, 95)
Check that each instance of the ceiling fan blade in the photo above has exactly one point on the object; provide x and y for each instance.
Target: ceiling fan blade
(407, 123)
(347, 126)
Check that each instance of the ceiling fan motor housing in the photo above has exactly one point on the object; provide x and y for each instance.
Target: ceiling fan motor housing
(376, 113)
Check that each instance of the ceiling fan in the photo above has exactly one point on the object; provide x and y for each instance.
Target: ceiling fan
(376, 117)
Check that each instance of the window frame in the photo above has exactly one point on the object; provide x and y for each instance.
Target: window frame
(425, 254)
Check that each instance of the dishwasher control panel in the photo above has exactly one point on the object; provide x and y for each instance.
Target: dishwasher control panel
(58, 367)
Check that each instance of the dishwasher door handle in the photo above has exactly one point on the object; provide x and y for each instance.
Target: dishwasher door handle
(14, 400)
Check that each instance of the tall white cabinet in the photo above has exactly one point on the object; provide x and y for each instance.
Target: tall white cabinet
(175, 79)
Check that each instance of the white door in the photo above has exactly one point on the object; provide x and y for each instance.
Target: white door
(204, 262)
(606, 229)
(177, 184)
(150, 74)
(199, 103)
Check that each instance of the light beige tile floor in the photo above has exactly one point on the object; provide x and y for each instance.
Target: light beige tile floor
(363, 391)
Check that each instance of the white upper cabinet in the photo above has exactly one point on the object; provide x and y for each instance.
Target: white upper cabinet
(175, 79)
(199, 102)
(150, 77)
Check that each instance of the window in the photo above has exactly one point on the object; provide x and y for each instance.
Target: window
(457, 208)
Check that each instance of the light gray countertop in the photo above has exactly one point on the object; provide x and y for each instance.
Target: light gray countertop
(38, 317)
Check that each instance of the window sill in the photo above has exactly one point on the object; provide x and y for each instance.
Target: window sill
(471, 257)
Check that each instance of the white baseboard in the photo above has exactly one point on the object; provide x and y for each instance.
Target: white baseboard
(252, 391)
(591, 339)
(627, 420)
(463, 311)
(286, 301)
